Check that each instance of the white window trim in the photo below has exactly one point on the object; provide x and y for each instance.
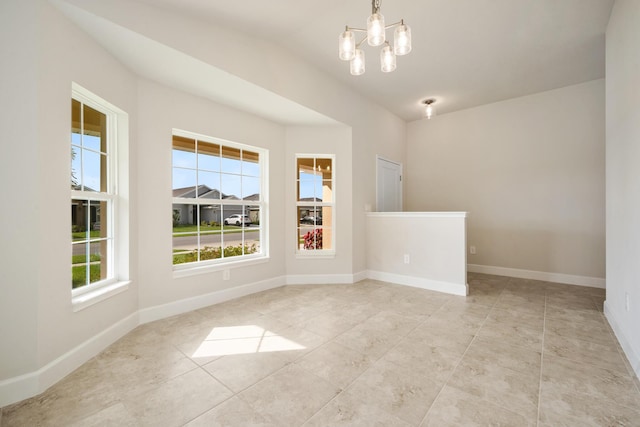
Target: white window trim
(317, 253)
(208, 266)
(118, 216)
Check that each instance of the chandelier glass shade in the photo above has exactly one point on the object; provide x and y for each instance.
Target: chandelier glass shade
(349, 48)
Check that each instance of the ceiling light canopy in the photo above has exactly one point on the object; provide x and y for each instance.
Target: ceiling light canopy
(429, 108)
(349, 49)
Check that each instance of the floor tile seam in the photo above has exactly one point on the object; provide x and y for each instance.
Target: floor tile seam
(455, 368)
(544, 334)
(586, 366)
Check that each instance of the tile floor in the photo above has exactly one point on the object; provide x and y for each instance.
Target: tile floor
(513, 353)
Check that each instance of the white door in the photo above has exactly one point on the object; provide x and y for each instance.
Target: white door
(389, 186)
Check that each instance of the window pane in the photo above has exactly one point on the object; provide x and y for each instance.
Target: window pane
(78, 265)
(210, 218)
(212, 182)
(305, 167)
(230, 186)
(234, 216)
(185, 233)
(208, 156)
(92, 171)
(310, 215)
(94, 130)
(250, 165)
(98, 261)
(307, 188)
(231, 160)
(250, 188)
(75, 118)
(184, 183)
(79, 220)
(324, 191)
(184, 152)
(310, 238)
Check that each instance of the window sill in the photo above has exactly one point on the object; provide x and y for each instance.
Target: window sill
(316, 254)
(211, 268)
(87, 299)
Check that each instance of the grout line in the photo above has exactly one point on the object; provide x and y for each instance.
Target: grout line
(544, 333)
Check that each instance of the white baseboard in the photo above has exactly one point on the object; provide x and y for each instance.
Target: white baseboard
(320, 279)
(189, 304)
(24, 386)
(633, 355)
(419, 282)
(569, 279)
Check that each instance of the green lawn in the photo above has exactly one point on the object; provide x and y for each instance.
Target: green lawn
(79, 275)
(82, 235)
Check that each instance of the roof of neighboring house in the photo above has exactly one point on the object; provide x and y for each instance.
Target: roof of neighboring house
(204, 192)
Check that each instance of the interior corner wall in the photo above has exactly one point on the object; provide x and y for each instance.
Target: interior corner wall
(530, 172)
(162, 109)
(622, 305)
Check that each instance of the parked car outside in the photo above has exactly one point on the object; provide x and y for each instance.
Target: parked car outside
(311, 220)
(237, 219)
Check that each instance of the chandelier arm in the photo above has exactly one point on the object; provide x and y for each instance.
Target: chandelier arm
(360, 42)
(360, 30)
(395, 24)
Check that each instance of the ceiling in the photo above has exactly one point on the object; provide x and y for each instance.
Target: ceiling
(465, 52)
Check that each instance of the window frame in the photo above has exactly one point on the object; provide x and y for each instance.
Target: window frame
(224, 263)
(316, 253)
(117, 278)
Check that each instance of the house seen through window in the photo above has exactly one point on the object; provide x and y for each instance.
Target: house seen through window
(218, 202)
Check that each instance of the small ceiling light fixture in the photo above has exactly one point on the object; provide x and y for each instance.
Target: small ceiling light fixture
(429, 109)
(349, 50)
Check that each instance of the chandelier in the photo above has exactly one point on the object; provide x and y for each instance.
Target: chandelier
(349, 50)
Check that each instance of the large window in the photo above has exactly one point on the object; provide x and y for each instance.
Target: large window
(93, 192)
(315, 204)
(218, 201)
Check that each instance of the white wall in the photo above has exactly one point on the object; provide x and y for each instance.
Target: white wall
(530, 172)
(420, 249)
(19, 179)
(160, 110)
(623, 176)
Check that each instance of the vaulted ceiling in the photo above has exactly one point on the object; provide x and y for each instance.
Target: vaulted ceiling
(465, 52)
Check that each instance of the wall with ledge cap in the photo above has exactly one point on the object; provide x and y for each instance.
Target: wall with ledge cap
(434, 242)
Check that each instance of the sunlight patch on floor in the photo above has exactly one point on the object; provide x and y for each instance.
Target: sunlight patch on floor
(229, 340)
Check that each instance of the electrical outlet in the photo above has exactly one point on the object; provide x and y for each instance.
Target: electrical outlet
(406, 259)
(627, 305)
(226, 274)
(472, 250)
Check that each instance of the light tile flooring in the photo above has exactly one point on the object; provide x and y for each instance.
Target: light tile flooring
(513, 353)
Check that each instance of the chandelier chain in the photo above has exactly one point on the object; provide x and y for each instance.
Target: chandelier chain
(375, 6)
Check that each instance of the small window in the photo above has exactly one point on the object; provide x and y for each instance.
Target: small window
(315, 205)
(93, 191)
(218, 201)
